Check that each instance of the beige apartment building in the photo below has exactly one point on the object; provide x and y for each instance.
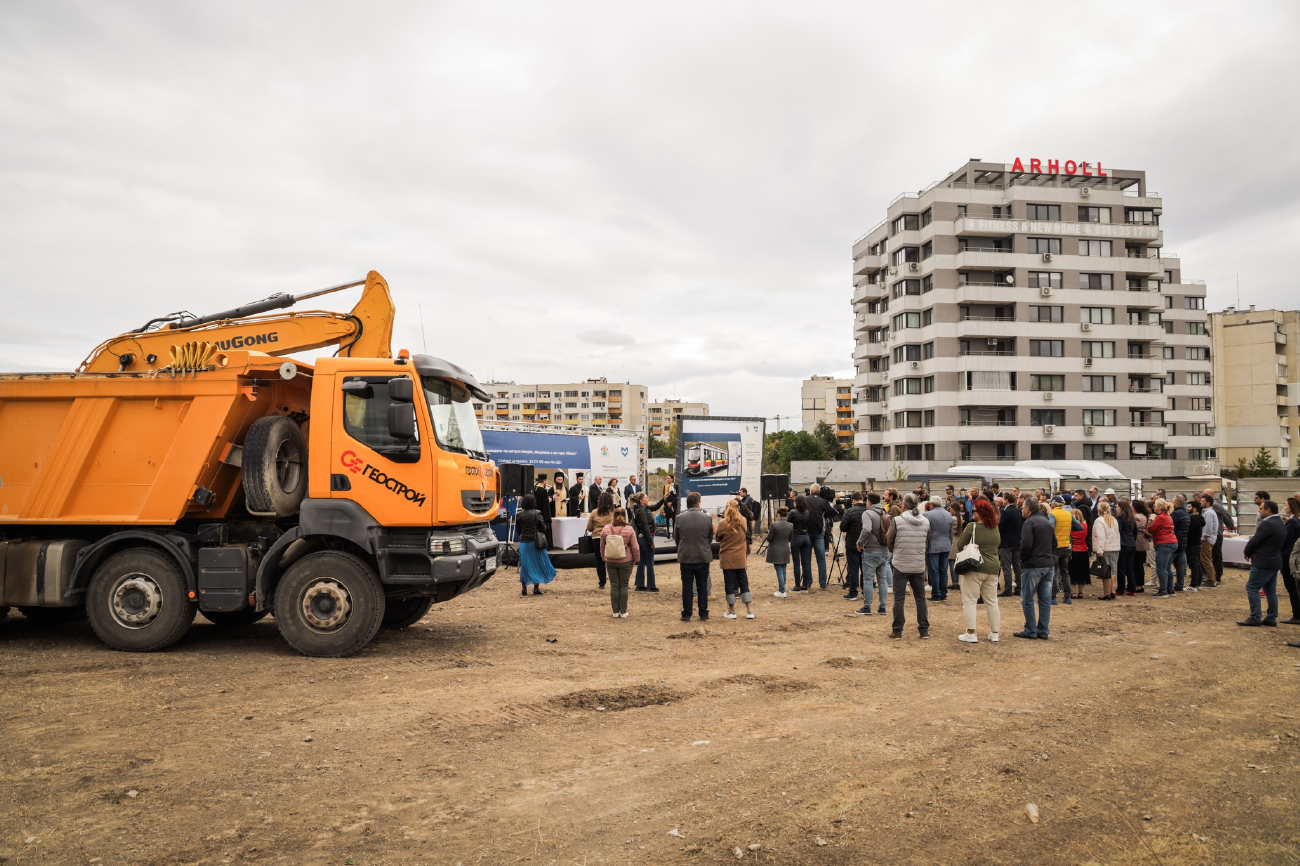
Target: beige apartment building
(828, 399)
(592, 403)
(1256, 383)
(1029, 311)
(663, 413)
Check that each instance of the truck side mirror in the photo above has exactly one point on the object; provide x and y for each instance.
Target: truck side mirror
(401, 390)
(401, 420)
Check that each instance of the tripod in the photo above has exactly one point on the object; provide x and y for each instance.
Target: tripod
(510, 537)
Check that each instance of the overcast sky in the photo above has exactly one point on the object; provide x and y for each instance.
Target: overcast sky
(665, 193)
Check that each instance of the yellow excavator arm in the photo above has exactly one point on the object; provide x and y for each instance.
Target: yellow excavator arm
(365, 332)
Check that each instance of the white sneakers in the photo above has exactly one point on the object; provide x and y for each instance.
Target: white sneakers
(749, 615)
(993, 637)
(728, 615)
(967, 637)
(615, 616)
(779, 594)
(623, 615)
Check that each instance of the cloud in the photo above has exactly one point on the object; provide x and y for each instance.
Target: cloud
(665, 194)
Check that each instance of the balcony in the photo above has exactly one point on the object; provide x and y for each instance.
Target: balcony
(867, 264)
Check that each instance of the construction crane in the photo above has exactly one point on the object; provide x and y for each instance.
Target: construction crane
(364, 332)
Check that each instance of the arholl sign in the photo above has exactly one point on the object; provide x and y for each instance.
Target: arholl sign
(1054, 166)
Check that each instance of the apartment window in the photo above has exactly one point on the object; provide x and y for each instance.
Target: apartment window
(1098, 348)
(586, 417)
(571, 393)
(1043, 212)
(928, 384)
(514, 405)
(927, 351)
(929, 413)
(1099, 417)
(1198, 353)
(1168, 326)
(1094, 214)
(910, 385)
(1169, 353)
(1045, 245)
(1201, 453)
(907, 287)
(1140, 216)
(1042, 417)
(906, 254)
(1104, 282)
(1169, 303)
(927, 284)
(585, 406)
(906, 223)
(907, 419)
(927, 318)
(879, 306)
(1047, 452)
(1200, 404)
(1100, 452)
(1041, 382)
(1198, 429)
(1197, 328)
(929, 451)
(910, 352)
(1193, 303)
(1045, 279)
(989, 380)
(927, 216)
(1046, 314)
(961, 210)
(927, 250)
(1094, 248)
(1145, 418)
(1097, 315)
(1047, 348)
(907, 320)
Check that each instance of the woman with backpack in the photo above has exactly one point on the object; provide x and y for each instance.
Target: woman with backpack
(733, 553)
(800, 543)
(596, 522)
(982, 580)
(535, 566)
(620, 552)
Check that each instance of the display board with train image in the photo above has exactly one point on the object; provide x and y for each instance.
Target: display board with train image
(706, 458)
(717, 456)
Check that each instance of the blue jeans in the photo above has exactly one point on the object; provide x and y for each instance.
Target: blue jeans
(875, 565)
(854, 568)
(1265, 579)
(801, 559)
(780, 577)
(937, 565)
(1180, 567)
(819, 548)
(645, 567)
(1164, 574)
(1036, 586)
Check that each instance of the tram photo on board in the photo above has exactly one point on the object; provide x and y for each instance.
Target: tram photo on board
(707, 458)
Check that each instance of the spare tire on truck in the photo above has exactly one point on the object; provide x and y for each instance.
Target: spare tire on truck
(275, 466)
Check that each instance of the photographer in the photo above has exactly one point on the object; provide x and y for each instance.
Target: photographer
(850, 529)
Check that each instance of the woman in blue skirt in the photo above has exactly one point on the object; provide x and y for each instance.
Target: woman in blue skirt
(534, 563)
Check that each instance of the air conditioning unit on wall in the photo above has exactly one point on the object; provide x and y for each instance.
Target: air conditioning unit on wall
(1087, 362)
(1085, 191)
(1045, 292)
(1047, 257)
(915, 364)
(1047, 395)
(1049, 429)
(1086, 326)
(1089, 430)
(915, 266)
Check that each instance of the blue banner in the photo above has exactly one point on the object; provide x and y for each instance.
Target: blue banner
(550, 450)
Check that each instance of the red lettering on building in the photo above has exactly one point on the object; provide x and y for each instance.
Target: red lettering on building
(1071, 166)
(1017, 166)
(1035, 165)
(1101, 173)
(1054, 167)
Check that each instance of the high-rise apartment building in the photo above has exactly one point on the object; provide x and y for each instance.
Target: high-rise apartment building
(664, 413)
(1256, 383)
(593, 403)
(828, 399)
(1028, 311)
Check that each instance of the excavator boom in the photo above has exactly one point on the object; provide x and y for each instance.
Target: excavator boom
(364, 332)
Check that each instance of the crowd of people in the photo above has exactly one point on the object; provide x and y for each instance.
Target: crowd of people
(988, 544)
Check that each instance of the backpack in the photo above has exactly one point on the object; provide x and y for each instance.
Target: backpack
(883, 522)
(615, 548)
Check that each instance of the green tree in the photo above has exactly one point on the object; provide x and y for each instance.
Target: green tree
(1264, 465)
(825, 434)
(793, 445)
(657, 448)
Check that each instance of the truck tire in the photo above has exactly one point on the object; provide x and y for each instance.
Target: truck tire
(234, 618)
(137, 601)
(52, 615)
(406, 612)
(329, 604)
(275, 466)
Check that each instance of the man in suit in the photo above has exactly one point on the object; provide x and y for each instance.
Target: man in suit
(593, 494)
(542, 493)
(577, 496)
(630, 490)
(670, 501)
(693, 533)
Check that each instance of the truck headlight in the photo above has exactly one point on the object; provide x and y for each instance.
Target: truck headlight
(439, 546)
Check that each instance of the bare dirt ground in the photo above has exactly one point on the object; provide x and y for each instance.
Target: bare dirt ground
(540, 730)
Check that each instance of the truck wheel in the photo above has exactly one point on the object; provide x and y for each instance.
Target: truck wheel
(275, 466)
(52, 615)
(138, 601)
(329, 604)
(407, 611)
(234, 618)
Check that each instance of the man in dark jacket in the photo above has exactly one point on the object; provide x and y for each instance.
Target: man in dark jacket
(1226, 523)
(819, 511)
(850, 529)
(694, 535)
(577, 496)
(543, 494)
(593, 494)
(643, 524)
(670, 501)
(1182, 523)
(1264, 550)
(1009, 548)
(1038, 560)
(748, 510)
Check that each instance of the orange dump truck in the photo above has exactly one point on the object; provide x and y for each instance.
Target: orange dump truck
(342, 496)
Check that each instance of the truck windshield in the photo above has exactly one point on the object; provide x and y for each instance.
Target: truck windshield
(454, 423)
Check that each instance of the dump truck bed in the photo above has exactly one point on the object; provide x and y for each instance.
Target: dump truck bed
(136, 448)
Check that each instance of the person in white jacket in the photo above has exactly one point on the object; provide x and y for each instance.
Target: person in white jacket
(1105, 543)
